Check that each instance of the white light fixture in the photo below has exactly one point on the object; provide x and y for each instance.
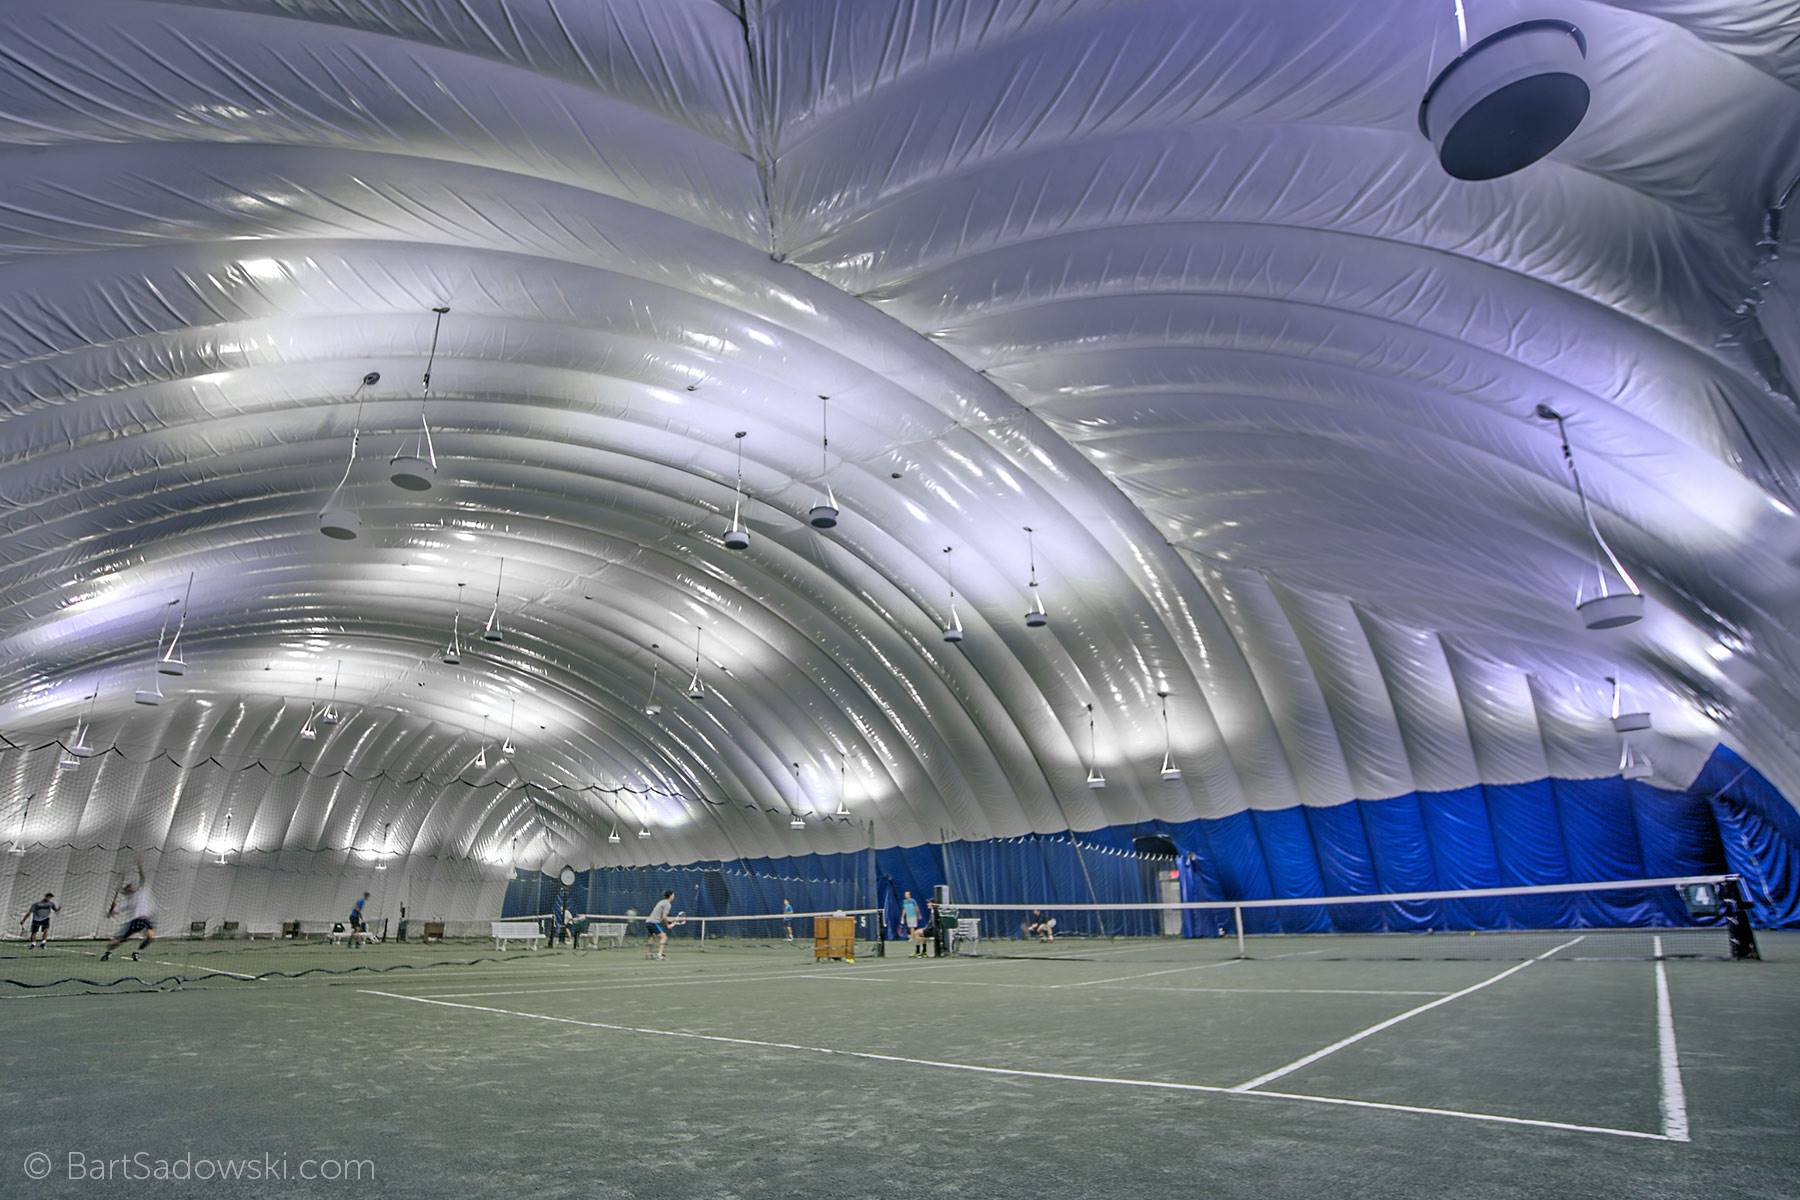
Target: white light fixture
(696, 688)
(339, 521)
(1170, 771)
(613, 837)
(387, 844)
(493, 632)
(225, 841)
(309, 730)
(78, 749)
(1095, 780)
(651, 707)
(413, 469)
(1625, 722)
(481, 755)
(824, 512)
(843, 808)
(153, 695)
(643, 832)
(170, 662)
(1035, 616)
(1508, 100)
(795, 821)
(953, 629)
(507, 748)
(330, 715)
(452, 654)
(18, 846)
(1634, 764)
(1609, 607)
(736, 536)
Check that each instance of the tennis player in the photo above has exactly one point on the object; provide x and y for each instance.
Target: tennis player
(359, 927)
(658, 925)
(787, 917)
(132, 902)
(39, 914)
(909, 913)
(922, 935)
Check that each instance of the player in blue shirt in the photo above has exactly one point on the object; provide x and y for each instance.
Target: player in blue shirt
(787, 917)
(359, 928)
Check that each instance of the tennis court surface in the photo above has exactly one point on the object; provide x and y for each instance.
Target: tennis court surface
(750, 1071)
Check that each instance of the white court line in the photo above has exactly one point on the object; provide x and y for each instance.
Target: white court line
(1229, 962)
(1674, 1096)
(684, 980)
(1255, 991)
(1371, 1031)
(197, 967)
(1017, 1073)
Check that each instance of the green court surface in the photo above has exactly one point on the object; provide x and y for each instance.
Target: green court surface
(751, 1071)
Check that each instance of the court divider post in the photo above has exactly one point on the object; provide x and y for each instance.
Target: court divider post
(1237, 915)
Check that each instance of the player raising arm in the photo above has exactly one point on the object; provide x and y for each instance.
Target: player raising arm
(133, 902)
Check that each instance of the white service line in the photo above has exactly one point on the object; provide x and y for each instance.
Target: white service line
(1674, 1096)
(1229, 962)
(1018, 1073)
(197, 967)
(684, 980)
(1371, 1031)
(1256, 991)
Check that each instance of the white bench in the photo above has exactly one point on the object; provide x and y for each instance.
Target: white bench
(612, 933)
(516, 931)
(346, 934)
(968, 929)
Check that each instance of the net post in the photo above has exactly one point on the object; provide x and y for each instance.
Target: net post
(702, 931)
(1237, 916)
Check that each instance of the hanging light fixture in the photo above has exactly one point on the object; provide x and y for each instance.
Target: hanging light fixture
(843, 808)
(736, 536)
(387, 841)
(613, 837)
(507, 748)
(330, 715)
(153, 694)
(953, 629)
(795, 821)
(643, 832)
(481, 754)
(309, 730)
(340, 521)
(452, 654)
(1625, 722)
(696, 688)
(413, 469)
(18, 846)
(170, 663)
(224, 845)
(1608, 607)
(493, 632)
(1634, 763)
(1095, 780)
(1170, 771)
(1508, 100)
(651, 707)
(78, 749)
(1035, 616)
(824, 512)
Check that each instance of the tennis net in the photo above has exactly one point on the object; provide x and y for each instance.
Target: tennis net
(768, 930)
(1700, 916)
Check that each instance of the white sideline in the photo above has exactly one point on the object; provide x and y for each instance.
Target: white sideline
(1371, 1031)
(1674, 1096)
(1017, 1073)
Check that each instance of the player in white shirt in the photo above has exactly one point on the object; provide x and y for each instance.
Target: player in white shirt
(658, 924)
(134, 904)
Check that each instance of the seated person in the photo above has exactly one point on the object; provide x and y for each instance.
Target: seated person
(1040, 926)
(923, 935)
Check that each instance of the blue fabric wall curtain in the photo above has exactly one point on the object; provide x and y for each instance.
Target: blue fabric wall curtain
(1493, 835)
